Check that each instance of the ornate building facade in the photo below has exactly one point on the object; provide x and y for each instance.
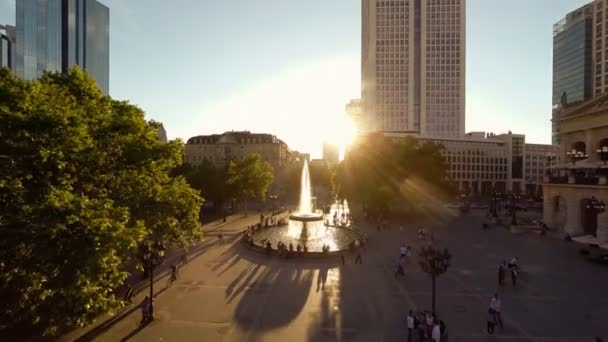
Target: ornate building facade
(576, 190)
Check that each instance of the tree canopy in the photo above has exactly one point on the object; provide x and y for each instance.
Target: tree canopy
(209, 179)
(84, 181)
(249, 178)
(380, 173)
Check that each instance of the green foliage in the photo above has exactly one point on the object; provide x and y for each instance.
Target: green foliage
(210, 180)
(84, 181)
(380, 173)
(249, 178)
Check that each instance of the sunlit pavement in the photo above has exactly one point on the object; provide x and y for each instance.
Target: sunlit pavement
(232, 294)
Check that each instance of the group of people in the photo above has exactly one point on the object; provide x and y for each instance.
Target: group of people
(325, 248)
(340, 220)
(286, 250)
(512, 267)
(427, 325)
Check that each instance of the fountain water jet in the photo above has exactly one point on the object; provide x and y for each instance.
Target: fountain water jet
(305, 210)
(306, 227)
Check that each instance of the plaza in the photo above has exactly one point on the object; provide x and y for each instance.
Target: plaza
(230, 293)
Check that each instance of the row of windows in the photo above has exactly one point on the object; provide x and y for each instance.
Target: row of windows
(395, 26)
(442, 27)
(396, 38)
(390, 3)
(256, 140)
(484, 167)
(459, 175)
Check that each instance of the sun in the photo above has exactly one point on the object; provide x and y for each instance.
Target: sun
(342, 133)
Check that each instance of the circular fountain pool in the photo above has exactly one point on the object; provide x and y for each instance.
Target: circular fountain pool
(336, 238)
(306, 227)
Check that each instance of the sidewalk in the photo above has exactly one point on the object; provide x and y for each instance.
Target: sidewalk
(232, 227)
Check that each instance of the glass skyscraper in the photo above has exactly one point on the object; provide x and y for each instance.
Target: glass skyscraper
(7, 46)
(572, 62)
(55, 35)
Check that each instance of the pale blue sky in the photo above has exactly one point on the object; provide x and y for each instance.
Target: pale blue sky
(289, 67)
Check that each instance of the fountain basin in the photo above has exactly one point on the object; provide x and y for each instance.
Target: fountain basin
(307, 217)
(337, 238)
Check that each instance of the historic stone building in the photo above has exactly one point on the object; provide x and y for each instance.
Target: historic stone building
(576, 190)
(222, 148)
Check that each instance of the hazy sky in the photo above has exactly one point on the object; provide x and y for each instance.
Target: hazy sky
(289, 67)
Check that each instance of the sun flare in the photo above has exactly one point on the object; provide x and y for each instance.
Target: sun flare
(304, 105)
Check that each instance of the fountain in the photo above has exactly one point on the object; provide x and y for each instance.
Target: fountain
(306, 227)
(305, 216)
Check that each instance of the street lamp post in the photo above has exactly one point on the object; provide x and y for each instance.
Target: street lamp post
(154, 254)
(434, 262)
(496, 196)
(273, 199)
(575, 156)
(514, 198)
(603, 153)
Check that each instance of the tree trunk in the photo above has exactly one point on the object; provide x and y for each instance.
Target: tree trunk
(433, 280)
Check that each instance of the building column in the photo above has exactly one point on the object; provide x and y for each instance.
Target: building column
(548, 207)
(573, 219)
(602, 227)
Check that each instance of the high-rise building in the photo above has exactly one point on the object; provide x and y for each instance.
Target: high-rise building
(7, 46)
(413, 66)
(572, 62)
(331, 153)
(353, 109)
(54, 35)
(600, 46)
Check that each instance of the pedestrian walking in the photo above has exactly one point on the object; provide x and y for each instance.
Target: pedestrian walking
(358, 259)
(400, 271)
(436, 333)
(173, 276)
(496, 305)
(502, 269)
(342, 257)
(145, 310)
(420, 326)
(491, 321)
(444, 331)
(220, 238)
(403, 250)
(514, 271)
(430, 322)
(410, 325)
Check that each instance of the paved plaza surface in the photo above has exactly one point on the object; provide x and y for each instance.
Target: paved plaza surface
(229, 293)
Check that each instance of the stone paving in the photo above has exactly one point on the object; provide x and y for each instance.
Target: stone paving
(230, 293)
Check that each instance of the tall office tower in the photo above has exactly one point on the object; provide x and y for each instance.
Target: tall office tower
(7, 46)
(55, 35)
(572, 62)
(600, 46)
(413, 66)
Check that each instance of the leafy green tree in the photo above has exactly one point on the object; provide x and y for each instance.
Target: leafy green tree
(84, 181)
(249, 178)
(380, 173)
(211, 181)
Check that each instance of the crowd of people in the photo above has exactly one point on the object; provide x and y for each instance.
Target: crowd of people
(427, 326)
